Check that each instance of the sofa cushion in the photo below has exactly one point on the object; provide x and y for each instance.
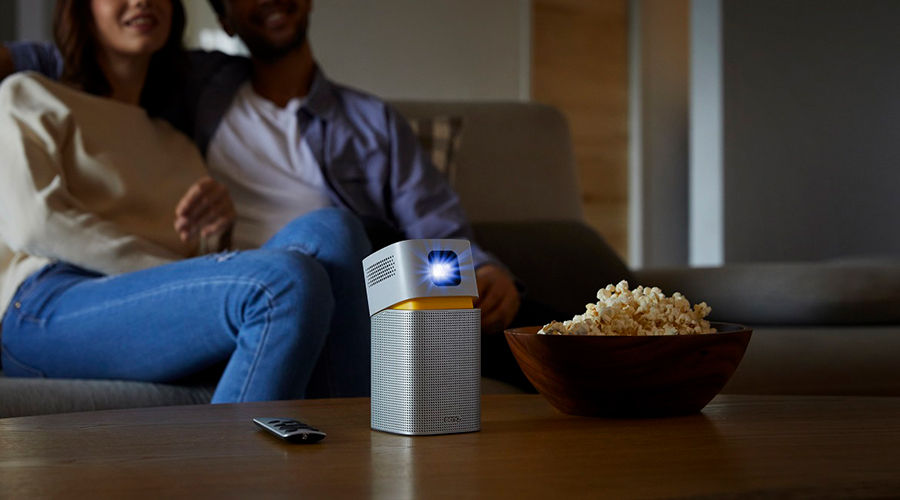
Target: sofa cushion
(515, 160)
(798, 293)
(561, 264)
(39, 396)
(832, 360)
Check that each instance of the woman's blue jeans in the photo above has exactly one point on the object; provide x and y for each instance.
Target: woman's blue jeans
(290, 320)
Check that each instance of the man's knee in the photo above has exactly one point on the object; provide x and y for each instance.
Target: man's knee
(340, 233)
(345, 224)
(293, 276)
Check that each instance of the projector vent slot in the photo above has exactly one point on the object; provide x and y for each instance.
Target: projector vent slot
(380, 271)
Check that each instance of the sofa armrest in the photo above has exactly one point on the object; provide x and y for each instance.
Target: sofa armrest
(807, 293)
(826, 360)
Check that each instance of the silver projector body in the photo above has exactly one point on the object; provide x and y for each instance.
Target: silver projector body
(426, 338)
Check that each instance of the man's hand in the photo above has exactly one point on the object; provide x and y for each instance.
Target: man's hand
(205, 211)
(497, 298)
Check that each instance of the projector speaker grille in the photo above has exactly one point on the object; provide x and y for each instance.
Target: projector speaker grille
(383, 269)
(426, 371)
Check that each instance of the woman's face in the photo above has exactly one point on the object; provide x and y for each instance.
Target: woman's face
(132, 27)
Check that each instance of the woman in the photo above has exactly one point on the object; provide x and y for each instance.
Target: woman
(94, 280)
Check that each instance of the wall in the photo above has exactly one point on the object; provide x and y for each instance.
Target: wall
(7, 20)
(399, 49)
(27, 19)
(659, 133)
(792, 126)
(415, 49)
(580, 65)
(706, 238)
(811, 128)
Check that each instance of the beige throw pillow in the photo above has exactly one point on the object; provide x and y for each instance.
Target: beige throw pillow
(440, 138)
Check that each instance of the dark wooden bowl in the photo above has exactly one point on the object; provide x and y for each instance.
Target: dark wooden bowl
(629, 376)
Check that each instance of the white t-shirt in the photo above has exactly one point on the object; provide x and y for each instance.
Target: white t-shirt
(269, 170)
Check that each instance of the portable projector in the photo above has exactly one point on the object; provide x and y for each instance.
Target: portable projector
(426, 338)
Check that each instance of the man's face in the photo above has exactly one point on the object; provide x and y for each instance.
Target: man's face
(270, 28)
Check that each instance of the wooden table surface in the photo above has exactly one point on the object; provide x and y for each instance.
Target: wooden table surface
(740, 446)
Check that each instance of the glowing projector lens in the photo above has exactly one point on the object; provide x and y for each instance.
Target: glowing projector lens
(443, 268)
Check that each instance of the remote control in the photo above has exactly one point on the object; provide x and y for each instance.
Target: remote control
(290, 430)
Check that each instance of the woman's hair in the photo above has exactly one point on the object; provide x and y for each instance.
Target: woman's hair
(218, 6)
(73, 31)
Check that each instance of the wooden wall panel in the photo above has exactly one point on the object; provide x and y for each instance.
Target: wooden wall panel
(580, 65)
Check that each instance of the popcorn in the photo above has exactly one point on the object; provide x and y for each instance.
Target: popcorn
(643, 311)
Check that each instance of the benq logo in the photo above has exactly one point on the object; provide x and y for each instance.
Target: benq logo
(454, 419)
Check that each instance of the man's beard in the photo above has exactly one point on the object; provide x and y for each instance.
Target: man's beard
(266, 51)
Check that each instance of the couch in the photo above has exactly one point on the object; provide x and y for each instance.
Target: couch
(819, 328)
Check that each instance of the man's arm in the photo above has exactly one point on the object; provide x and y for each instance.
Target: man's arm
(427, 207)
(42, 57)
(423, 202)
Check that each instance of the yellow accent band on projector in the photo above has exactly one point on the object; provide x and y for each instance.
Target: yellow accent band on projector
(426, 303)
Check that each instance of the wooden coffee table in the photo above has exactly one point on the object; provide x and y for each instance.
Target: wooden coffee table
(739, 446)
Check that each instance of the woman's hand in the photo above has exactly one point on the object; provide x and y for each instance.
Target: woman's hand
(205, 211)
(498, 298)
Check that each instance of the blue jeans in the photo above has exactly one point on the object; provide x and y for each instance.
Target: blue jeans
(289, 320)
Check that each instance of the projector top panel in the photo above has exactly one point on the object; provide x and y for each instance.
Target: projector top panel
(415, 269)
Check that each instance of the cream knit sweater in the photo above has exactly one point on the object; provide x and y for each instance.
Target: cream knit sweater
(86, 180)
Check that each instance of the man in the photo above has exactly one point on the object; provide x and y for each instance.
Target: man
(285, 140)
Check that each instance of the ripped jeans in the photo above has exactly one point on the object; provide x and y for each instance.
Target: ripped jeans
(288, 320)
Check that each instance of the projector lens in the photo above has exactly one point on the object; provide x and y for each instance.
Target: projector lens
(443, 268)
